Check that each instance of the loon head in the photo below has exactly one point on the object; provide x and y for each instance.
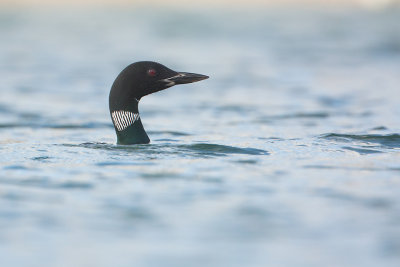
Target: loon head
(134, 82)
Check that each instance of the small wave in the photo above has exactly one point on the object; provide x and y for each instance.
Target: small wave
(374, 202)
(41, 182)
(41, 158)
(199, 149)
(362, 151)
(235, 108)
(123, 163)
(334, 101)
(299, 115)
(93, 145)
(389, 140)
(166, 140)
(318, 115)
(247, 161)
(222, 149)
(17, 167)
(91, 125)
(350, 168)
(379, 128)
(11, 125)
(4, 108)
(173, 133)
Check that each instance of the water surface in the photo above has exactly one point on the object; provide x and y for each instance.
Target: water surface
(287, 156)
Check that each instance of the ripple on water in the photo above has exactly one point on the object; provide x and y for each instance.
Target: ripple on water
(198, 149)
(296, 115)
(173, 133)
(247, 161)
(17, 167)
(379, 128)
(45, 182)
(389, 140)
(372, 202)
(33, 124)
(4, 109)
(350, 168)
(334, 101)
(41, 158)
(123, 163)
(214, 149)
(362, 151)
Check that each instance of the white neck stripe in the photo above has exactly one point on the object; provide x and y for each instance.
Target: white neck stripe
(123, 119)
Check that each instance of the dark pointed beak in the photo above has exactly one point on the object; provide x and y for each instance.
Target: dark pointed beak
(184, 77)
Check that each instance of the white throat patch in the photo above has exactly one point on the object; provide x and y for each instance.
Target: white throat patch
(123, 119)
(169, 81)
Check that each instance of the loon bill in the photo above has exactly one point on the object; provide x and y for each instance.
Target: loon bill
(135, 81)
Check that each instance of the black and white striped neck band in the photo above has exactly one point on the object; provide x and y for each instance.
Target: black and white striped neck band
(123, 119)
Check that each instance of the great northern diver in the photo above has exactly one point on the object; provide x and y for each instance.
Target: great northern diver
(135, 81)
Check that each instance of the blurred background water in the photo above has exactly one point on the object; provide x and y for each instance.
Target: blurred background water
(287, 156)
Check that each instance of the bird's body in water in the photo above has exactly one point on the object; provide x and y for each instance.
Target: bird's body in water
(135, 81)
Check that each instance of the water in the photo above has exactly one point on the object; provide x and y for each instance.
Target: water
(287, 156)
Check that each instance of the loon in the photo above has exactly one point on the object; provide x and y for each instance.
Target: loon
(134, 82)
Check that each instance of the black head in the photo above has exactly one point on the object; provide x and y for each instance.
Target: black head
(134, 82)
(143, 78)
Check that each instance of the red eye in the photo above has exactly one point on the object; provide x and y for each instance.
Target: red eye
(152, 72)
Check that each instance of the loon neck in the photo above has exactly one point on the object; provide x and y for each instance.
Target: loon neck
(128, 125)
